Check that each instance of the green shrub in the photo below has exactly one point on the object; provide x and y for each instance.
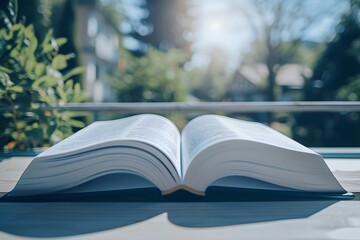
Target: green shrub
(33, 75)
(155, 77)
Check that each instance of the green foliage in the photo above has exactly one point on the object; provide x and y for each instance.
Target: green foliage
(350, 92)
(30, 79)
(336, 77)
(155, 77)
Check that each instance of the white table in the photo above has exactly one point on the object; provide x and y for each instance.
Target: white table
(154, 220)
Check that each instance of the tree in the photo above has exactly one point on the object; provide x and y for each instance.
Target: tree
(340, 63)
(154, 77)
(161, 24)
(336, 76)
(279, 28)
(166, 23)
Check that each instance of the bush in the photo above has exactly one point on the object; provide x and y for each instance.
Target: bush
(33, 75)
(155, 77)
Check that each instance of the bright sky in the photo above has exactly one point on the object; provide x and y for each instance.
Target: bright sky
(221, 25)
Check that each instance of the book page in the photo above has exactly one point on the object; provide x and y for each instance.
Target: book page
(200, 133)
(215, 147)
(161, 132)
(100, 132)
(151, 129)
(206, 130)
(147, 146)
(258, 132)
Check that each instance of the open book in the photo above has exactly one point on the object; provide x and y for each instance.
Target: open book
(148, 151)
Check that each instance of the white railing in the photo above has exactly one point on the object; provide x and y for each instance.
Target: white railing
(211, 107)
(207, 107)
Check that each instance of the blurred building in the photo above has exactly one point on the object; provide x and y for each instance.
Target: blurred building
(249, 82)
(98, 43)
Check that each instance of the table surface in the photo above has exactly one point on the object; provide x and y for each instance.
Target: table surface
(190, 220)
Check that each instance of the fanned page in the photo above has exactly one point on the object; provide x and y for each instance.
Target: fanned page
(221, 151)
(144, 145)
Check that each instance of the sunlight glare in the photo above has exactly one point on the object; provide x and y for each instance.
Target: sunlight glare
(216, 27)
(220, 29)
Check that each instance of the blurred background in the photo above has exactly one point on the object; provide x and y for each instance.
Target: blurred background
(214, 51)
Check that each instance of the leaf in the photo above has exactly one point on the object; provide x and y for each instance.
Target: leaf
(61, 93)
(78, 95)
(30, 65)
(15, 54)
(35, 106)
(17, 89)
(69, 84)
(76, 123)
(59, 62)
(39, 81)
(18, 136)
(61, 41)
(40, 69)
(73, 72)
(50, 82)
(46, 46)
(77, 89)
(45, 82)
(8, 115)
(33, 42)
(4, 69)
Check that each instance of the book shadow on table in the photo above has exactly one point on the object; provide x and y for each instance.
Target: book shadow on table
(64, 214)
(58, 219)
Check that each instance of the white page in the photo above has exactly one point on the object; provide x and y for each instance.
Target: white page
(258, 132)
(152, 129)
(158, 137)
(160, 132)
(252, 150)
(96, 133)
(200, 133)
(206, 130)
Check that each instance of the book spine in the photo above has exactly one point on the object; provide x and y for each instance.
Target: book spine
(182, 187)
